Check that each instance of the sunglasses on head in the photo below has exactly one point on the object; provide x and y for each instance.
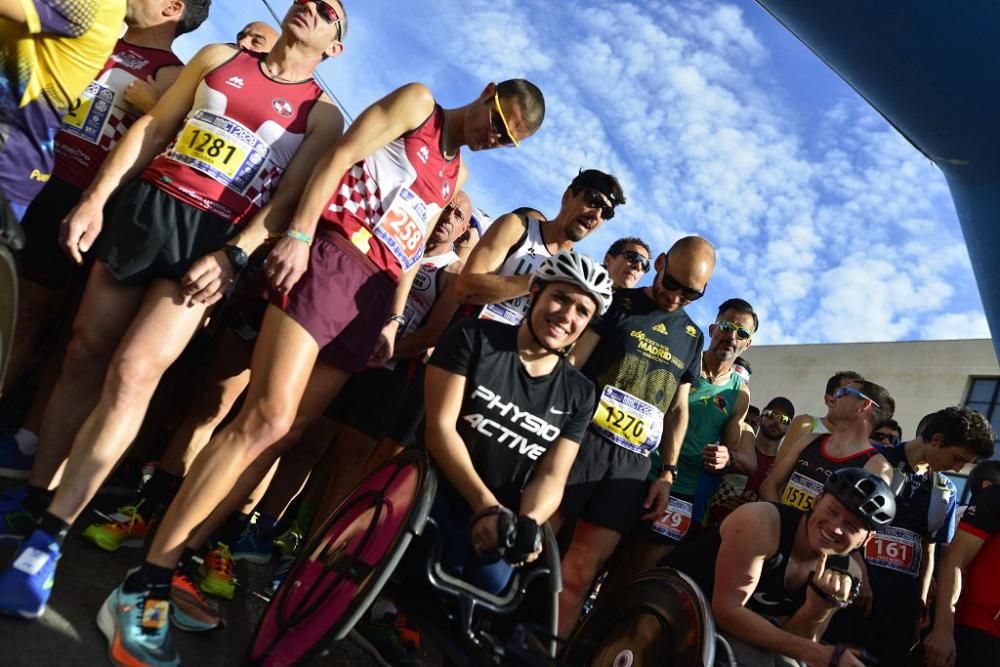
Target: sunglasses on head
(725, 326)
(325, 11)
(499, 128)
(594, 199)
(887, 438)
(776, 416)
(671, 284)
(636, 257)
(851, 391)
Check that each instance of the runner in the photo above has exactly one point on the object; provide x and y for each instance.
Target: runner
(48, 55)
(967, 612)
(390, 175)
(901, 556)
(742, 368)
(888, 433)
(256, 36)
(642, 356)
(776, 576)
(802, 465)
(805, 423)
(90, 130)
(627, 261)
(148, 288)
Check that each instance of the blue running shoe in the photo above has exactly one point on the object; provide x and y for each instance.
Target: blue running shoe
(26, 584)
(13, 463)
(137, 629)
(252, 547)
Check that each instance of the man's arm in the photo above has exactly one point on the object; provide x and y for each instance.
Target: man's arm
(207, 279)
(144, 95)
(394, 115)
(675, 423)
(784, 464)
(939, 646)
(880, 466)
(434, 326)
(140, 144)
(13, 10)
(478, 282)
(584, 347)
(727, 455)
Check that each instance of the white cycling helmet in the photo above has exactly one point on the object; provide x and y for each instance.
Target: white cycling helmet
(567, 266)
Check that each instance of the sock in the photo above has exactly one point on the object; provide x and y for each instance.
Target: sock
(266, 524)
(37, 499)
(159, 491)
(186, 563)
(26, 441)
(151, 578)
(54, 527)
(232, 529)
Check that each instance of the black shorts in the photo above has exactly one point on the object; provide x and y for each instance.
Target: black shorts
(369, 400)
(409, 418)
(43, 262)
(151, 234)
(606, 486)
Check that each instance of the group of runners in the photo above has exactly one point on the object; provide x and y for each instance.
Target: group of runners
(355, 302)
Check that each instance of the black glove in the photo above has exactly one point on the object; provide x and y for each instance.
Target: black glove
(527, 540)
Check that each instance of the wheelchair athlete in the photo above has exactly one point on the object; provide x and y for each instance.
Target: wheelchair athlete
(776, 576)
(505, 415)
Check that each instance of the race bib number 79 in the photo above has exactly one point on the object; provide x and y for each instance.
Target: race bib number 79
(676, 521)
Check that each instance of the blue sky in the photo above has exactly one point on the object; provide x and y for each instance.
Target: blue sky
(717, 122)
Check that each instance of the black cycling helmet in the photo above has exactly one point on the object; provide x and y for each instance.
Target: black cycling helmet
(864, 493)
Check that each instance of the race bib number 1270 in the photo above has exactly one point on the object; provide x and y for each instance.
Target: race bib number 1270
(628, 421)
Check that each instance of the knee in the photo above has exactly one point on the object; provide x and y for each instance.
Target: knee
(266, 422)
(135, 374)
(210, 408)
(87, 355)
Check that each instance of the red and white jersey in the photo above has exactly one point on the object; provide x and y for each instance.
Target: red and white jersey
(100, 116)
(423, 294)
(385, 203)
(237, 141)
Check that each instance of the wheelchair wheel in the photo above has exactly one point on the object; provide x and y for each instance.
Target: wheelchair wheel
(660, 619)
(342, 570)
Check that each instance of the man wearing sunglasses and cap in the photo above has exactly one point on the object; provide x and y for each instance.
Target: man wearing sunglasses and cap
(496, 275)
(643, 357)
(627, 261)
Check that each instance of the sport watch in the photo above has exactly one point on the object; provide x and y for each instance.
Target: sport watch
(235, 255)
(669, 467)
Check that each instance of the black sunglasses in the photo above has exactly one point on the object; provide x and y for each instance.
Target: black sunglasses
(325, 11)
(637, 258)
(671, 284)
(595, 199)
(887, 438)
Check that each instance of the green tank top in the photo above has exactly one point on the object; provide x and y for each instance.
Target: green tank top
(709, 408)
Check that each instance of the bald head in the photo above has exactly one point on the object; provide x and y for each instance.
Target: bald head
(453, 222)
(257, 37)
(683, 272)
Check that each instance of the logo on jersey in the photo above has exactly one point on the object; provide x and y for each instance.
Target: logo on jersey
(660, 327)
(235, 81)
(445, 190)
(424, 154)
(512, 414)
(720, 403)
(692, 330)
(283, 107)
(421, 281)
(130, 60)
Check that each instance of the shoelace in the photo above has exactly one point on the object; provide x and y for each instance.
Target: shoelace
(220, 560)
(131, 514)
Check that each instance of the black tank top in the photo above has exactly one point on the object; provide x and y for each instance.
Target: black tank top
(812, 470)
(697, 560)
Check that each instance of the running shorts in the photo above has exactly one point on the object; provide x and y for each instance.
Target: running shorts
(606, 486)
(369, 400)
(406, 426)
(150, 234)
(43, 261)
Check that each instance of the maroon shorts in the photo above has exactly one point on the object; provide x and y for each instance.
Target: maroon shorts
(342, 300)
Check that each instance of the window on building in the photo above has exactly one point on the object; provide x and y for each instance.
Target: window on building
(984, 397)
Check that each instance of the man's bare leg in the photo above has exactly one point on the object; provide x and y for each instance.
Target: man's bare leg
(590, 548)
(162, 328)
(35, 306)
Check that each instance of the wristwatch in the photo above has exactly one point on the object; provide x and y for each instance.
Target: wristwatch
(669, 467)
(235, 255)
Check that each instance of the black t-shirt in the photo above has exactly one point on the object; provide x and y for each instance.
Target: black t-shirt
(643, 350)
(812, 470)
(509, 419)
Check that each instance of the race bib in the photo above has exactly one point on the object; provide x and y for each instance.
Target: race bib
(676, 521)
(628, 421)
(403, 226)
(801, 492)
(221, 148)
(87, 117)
(508, 312)
(895, 549)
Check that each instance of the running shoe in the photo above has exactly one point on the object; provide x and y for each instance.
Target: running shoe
(14, 464)
(382, 640)
(127, 528)
(189, 609)
(253, 547)
(26, 584)
(137, 630)
(217, 573)
(288, 542)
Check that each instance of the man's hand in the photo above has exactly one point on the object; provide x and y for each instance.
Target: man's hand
(939, 649)
(384, 345)
(80, 228)
(716, 457)
(657, 498)
(208, 279)
(143, 95)
(837, 585)
(286, 263)
(486, 534)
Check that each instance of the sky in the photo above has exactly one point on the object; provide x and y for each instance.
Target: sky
(717, 122)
